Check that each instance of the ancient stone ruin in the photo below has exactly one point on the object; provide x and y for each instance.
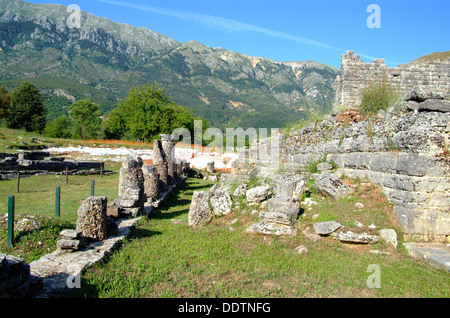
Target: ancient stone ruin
(15, 278)
(140, 185)
(433, 77)
(91, 222)
(99, 228)
(41, 162)
(404, 150)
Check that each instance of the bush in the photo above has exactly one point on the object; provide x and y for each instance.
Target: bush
(378, 97)
(59, 128)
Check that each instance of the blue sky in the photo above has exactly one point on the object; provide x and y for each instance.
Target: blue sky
(291, 30)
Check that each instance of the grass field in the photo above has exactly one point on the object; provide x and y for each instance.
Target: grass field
(37, 198)
(165, 258)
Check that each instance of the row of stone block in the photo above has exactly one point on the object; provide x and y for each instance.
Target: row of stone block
(140, 184)
(42, 161)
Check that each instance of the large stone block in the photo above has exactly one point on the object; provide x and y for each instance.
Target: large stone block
(326, 228)
(384, 162)
(200, 211)
(151, 183)
(434, 105)
(161, 164)
(221, 201)
(131, 185)
(422, 221)
(258, 194)
(288, 206)
(168, 145)
(91, 221)
(412, 164)
(332, 186)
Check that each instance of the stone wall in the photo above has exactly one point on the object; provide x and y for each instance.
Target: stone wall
(29, 162)
(405, 152)
(15, 278)
(357, 75)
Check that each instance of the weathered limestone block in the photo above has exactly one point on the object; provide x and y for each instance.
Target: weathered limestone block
(288, 206)
(70, 234)
(258, 194)
(278, 218)
(389, 236)
(326, 228)
(131, 188)
(15, 278)
(151, 183)
(114, 211)
(412, 164)
(91, 220)
(413, 199)
(132, 212)
(265, 228)
(435, 105)
(306, 159)
(430, 222)
(355, 238)
(168, 145)
(221, 201)
(200, 212)
(65, 244)
(421, 132)
(160, 162)
(421, 94)
(330, 185)
(384, 162)
(241, 190)
(289, 186)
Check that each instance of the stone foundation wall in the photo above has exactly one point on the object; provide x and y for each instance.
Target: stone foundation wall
(42, 161)
(405, 152)
(357, 75)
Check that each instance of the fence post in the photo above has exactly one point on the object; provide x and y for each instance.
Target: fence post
(58, 202)
(67, 175)
(18, 182)
(92, 188)
(10, 238)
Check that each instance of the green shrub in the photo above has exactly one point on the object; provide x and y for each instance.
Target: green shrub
(378, 97)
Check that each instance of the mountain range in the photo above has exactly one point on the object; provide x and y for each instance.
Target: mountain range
(102, 60)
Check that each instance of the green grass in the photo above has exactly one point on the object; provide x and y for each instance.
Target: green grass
(378, 97)
(165, 258)
(37, 198)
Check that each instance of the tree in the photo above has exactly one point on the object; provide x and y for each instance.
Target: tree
(87, 121)
(114, 126)
(59, 128)
(5, 103)
(27, 109)
(146, 112)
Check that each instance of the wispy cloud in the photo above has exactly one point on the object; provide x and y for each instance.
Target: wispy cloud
(220, 23)
(228, 24)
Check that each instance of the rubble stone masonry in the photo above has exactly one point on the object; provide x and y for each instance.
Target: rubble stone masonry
(357, 75)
